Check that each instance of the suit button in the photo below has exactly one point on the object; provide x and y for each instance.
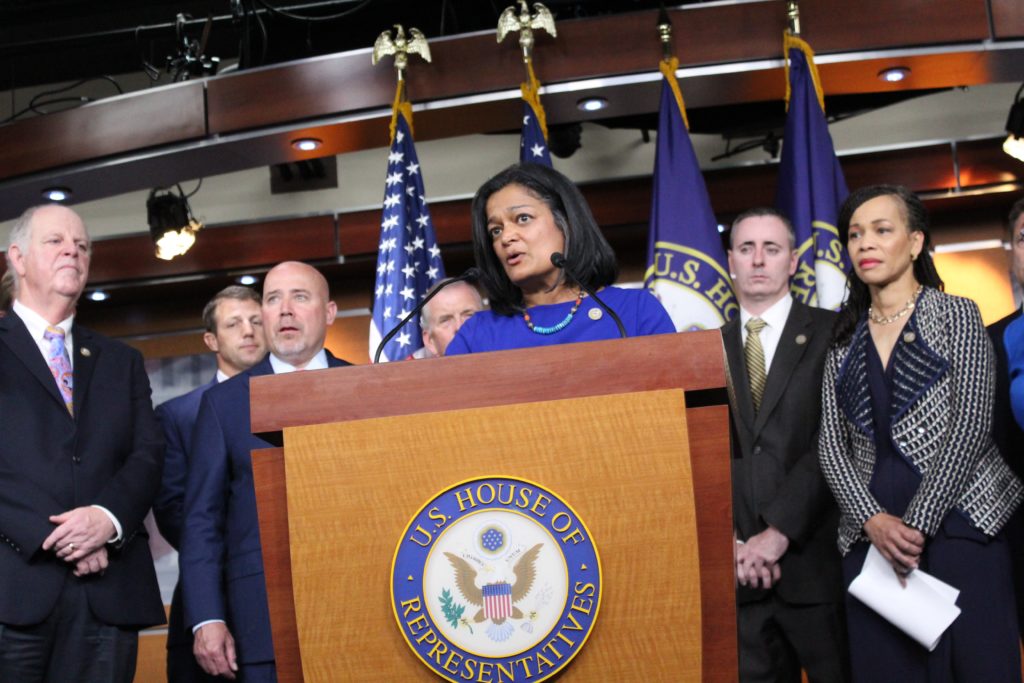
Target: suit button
(76, 459)
(757, 450)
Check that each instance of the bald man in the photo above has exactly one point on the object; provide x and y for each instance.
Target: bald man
(221, 559)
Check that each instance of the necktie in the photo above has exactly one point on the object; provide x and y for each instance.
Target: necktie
(753, 354)
(60, 365)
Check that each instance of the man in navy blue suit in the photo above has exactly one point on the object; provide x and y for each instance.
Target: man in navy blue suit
(234, 331)
(1007, 434)
(221, 558)
(80, 460)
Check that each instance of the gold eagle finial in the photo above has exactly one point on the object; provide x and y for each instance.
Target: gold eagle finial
(401, 47)
(525, 23)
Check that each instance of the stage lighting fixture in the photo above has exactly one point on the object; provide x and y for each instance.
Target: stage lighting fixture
(1014, 145)
(171, 223)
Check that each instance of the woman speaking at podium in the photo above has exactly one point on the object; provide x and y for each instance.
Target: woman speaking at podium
(539, 250)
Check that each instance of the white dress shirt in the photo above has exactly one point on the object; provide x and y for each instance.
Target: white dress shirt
(775, 320)
(317, 362)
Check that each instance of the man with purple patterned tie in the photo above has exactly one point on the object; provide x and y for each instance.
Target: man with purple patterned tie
(80, 464)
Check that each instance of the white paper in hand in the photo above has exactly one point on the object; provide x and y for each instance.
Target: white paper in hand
(923, 609)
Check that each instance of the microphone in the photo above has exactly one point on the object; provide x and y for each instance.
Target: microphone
(559, 261)
(472, 274)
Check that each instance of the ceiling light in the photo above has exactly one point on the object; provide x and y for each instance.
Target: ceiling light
(894, 74)
(592, 104)
(307, 144)
(98, 295)
(171, 223)
(246, 280)
(1014, 145)
(57, 194)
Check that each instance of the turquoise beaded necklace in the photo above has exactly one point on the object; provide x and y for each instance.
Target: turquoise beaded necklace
(540, 329)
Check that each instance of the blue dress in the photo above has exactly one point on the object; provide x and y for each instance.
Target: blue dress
(981, 645)
(1013, 342)
(641, 312)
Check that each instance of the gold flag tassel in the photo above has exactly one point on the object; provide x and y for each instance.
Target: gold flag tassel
(670, 63)
(531, 94)
(789, 40)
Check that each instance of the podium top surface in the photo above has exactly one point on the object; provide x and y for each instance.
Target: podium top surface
(692, 361)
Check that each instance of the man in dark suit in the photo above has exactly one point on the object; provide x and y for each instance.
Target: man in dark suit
(787, 565)
(221, 559)
(234, 331)
(1005, 430)
(80, 463)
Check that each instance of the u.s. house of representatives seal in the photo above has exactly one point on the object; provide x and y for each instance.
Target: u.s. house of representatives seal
(496, 580)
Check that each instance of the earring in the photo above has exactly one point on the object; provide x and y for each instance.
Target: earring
(913, 257)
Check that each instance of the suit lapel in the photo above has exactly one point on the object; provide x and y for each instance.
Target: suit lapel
(793, 342)
(733, 342)
(86, 355)
(15, 335)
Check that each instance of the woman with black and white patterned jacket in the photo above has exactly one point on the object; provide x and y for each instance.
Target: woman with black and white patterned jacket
(905, 445)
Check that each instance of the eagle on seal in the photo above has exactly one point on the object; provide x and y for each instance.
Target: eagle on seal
(525, 572)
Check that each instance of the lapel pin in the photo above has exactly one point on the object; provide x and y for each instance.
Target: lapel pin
(801, 339)
(595, 313)
(86, 352)
(909, 337)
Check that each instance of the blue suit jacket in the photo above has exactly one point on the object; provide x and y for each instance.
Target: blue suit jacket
(109, 453)
(221, 559)
(178, 418)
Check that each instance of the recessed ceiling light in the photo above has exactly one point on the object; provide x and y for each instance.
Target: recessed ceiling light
(98, 295)
(246, 280)
(307, 144)
(894, 74)
(592, 104)
(57, 194)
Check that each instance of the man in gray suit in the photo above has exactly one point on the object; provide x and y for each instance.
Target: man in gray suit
(790, 593)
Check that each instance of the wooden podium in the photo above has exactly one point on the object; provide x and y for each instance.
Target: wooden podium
(633, 433)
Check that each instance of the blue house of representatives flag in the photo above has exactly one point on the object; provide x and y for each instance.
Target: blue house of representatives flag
(811, 185)
(533, 148)
(686, 264)
(408, 259)
(533, 142)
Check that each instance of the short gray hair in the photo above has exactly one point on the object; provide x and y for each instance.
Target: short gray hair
(21, 233)
(424, 314)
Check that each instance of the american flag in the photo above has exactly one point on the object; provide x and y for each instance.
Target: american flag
(533, 148)
(497, 600)
(408, 258)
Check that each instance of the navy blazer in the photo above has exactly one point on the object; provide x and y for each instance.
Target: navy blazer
(178, 418)
(776, 477)
(221, 558)
(1005, 430)
(109, 453)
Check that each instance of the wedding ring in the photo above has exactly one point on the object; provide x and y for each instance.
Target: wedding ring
(71, 547)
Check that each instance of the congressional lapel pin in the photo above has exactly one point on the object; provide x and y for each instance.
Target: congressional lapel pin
(909, 337)
(86, 352)
(801, 339)
(595, 313)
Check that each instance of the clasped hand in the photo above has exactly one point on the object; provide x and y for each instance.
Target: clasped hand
(80, 538)
(757, 560)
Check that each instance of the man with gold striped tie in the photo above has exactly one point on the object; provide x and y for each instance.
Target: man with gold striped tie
(790, 591)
